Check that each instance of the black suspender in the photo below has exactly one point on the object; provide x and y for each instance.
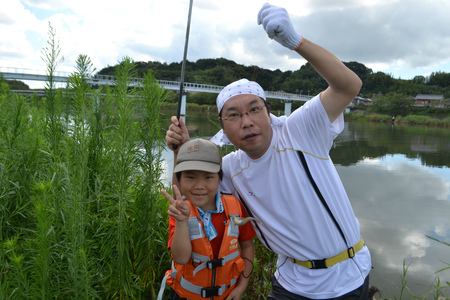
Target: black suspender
(316, 189)
(319, 194)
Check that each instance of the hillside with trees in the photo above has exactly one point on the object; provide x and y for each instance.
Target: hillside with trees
(390, 96)
(305, 80)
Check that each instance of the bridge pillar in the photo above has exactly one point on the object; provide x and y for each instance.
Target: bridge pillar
(287, 108)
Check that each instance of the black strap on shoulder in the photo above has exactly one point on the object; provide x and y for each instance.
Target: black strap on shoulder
(319, 194)
(249, 212)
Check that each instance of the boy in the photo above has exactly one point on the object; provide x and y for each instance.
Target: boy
(204, 236)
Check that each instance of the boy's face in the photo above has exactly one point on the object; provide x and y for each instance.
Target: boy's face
(200, 188)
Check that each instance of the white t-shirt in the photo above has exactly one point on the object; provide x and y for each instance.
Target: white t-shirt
(293, 220)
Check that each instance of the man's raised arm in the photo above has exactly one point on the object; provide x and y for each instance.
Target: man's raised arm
(343, 83)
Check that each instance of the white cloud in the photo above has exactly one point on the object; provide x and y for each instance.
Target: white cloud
(403, 37)
(442, 229)
(416, 243)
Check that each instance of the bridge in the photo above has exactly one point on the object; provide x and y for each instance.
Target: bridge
(38, 75)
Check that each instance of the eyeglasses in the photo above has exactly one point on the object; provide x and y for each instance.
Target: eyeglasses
(235, 117)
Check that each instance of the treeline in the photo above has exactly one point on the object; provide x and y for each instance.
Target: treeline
(305, 80)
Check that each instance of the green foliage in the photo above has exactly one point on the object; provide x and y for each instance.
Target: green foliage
(403, 286)
(393, 104)
(264, 267)
(52, 59)
(81, 215)
(437, 291)
(17, 85)
(304, 80)
(361, 70)
(440, 79)
(413, 120)
(203, 98)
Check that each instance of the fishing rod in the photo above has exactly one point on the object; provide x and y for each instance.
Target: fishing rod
(183, 65)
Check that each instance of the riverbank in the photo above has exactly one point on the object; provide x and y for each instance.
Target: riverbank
(356, 115)
(361, 115)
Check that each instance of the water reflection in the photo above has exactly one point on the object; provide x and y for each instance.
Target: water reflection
(368, 140)
(398, 180)
(398, 202)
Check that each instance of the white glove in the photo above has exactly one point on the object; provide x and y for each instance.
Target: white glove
(277, 24)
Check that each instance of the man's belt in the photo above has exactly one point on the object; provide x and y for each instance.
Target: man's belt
(325, 263)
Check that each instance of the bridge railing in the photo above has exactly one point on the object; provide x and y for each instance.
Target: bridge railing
(31, 74)
(32, 71)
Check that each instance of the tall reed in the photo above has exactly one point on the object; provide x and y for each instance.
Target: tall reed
(19, 164)
(81, 216)
(75, 208)
(53, 105)
(124, 152)
(150, 231)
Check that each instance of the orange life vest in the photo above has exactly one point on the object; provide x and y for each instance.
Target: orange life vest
(203, 276)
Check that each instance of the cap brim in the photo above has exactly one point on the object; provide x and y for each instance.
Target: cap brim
(197, 166)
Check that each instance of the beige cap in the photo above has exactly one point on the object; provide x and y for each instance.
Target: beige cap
(199, 155)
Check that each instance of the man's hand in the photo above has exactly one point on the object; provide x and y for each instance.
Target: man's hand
(177, 134)
(278, 25)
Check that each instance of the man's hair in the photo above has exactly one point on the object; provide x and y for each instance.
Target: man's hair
(220, 174)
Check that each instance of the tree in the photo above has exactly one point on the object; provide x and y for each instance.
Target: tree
(419, 79)
(378, 83)
(394, 104)
(441, 79)
(360, 69)
(17, 85)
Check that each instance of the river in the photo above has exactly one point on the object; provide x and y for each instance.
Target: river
(398, 181)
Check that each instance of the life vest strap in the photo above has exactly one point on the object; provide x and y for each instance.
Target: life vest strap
(212, 264)
(163, 283)
(206, 292)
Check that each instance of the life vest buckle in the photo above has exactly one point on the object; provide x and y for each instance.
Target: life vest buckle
(212, 264)
(210, 292)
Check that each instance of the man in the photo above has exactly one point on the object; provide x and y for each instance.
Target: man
(284, 176)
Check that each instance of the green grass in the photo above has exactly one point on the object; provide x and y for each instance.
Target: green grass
(81, 215)
(412, 120)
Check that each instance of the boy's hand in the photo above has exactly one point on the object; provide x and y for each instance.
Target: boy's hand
(177, 134)
(178, 209)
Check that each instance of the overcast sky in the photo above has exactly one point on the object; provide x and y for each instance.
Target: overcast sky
(403, 38)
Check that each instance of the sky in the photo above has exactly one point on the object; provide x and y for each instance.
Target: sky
(403, 38)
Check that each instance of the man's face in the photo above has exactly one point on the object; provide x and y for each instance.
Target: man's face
(252, 132)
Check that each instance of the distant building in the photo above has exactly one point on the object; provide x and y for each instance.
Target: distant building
(423, 99)
(359, 100)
